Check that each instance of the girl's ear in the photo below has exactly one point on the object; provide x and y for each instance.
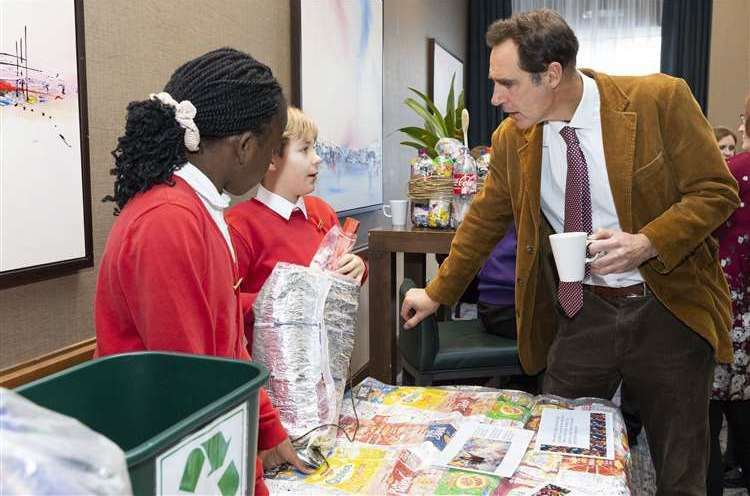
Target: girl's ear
(247, 143)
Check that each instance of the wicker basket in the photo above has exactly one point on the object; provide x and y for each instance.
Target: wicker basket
(425, 188)
(428, 195)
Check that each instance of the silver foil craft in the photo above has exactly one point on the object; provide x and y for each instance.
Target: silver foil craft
(305, 320)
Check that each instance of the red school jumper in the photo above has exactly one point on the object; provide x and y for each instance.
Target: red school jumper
(262, 238)
(166, 283)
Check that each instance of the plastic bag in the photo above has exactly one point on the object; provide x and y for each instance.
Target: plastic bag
(337, 241)
(422, 165)
(449, 147)
(483, 163)
(464, 187)
(44, 452)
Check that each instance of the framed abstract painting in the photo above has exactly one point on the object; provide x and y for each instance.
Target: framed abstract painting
(337, 68)
(443, 67)
(45, 200)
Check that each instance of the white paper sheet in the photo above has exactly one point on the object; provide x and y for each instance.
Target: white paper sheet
(486, 449)
(577, 433)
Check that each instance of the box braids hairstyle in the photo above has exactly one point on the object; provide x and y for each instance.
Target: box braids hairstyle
(232, 93)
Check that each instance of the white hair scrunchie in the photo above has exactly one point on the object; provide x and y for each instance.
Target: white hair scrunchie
(184, 115)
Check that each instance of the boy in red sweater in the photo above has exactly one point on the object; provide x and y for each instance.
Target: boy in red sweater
(284, 223)
(168, 276)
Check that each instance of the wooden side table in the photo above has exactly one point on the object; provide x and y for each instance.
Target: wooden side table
(383, 245)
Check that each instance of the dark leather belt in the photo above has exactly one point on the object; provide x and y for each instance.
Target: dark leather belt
(624, 292)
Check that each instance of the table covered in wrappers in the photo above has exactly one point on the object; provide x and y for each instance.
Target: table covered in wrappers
(405, 432)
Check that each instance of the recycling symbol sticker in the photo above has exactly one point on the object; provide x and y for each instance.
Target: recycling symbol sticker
(212, 460)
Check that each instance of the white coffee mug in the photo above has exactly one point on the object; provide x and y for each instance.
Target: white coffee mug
(569, 250)
(396, 211)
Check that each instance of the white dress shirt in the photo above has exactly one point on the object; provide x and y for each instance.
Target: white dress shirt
(214, 201)
(588, 126)
(279, 204)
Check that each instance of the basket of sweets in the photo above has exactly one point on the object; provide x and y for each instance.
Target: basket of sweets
(430, 177)
(430, 189)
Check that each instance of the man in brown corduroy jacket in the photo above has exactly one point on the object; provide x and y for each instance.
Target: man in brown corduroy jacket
(654, 311)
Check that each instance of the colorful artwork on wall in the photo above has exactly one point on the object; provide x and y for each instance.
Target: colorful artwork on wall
(339, 56)
(45, 218)
(444, 68)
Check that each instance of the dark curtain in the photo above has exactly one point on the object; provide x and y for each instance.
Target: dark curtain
(686, 44)
(484, 117)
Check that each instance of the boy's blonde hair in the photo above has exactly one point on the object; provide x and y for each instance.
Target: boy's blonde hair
(298, 126)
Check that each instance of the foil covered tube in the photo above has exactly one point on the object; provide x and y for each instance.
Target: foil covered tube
(305, 321)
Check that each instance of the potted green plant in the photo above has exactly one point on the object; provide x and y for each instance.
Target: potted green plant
(436, 124)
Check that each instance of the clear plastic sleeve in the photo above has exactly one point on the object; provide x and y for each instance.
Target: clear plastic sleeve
(422, 166)
(335, 243)
(449, 147)
(44, 452)
(459, 208)
(483, 163)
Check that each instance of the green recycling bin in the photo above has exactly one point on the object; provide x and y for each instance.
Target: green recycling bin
(187, 423)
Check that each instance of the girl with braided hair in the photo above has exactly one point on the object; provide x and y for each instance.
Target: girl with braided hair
(168, 279)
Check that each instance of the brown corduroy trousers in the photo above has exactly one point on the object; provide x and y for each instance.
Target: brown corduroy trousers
(667, 367)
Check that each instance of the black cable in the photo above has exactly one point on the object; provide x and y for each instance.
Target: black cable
(337, 426)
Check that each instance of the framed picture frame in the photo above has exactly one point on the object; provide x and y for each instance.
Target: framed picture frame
(45, 195)
(337, 79)
(443, 65)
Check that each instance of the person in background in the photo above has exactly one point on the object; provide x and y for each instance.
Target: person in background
(493, 288)
(496, 284)
(168, 276)
(284, 223)
(728, 145)
(727, 141)
(741, 131)
(731, 386)
(633, 161)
